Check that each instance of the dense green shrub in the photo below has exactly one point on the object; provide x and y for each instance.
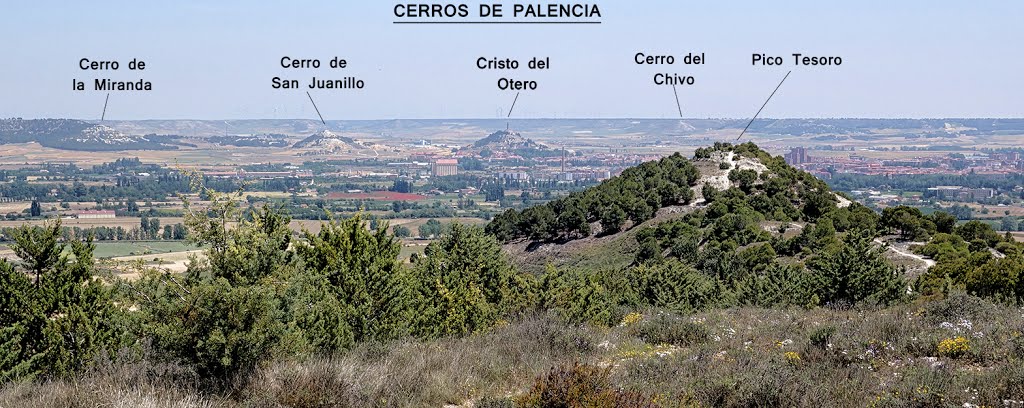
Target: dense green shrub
(974, 258)
(259, 295)
(673, 285)
(858, 271)
(580, 296)
(778, 286)
(213, 327)
(821, 336)
(375, 291)
(466, 283)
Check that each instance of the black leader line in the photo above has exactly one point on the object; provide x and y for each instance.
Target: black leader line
(680, 107)
(762, 106)
(317, 109)
(105, 101)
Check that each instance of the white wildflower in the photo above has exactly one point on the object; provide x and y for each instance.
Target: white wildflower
(965, 324)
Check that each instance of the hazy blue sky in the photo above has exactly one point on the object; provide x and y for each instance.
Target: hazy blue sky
(215, 59)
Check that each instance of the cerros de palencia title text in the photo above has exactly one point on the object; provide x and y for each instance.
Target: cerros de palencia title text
(496, 10)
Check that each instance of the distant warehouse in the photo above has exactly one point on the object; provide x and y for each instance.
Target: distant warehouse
(445, 167)
(960, 193)
(94, 215)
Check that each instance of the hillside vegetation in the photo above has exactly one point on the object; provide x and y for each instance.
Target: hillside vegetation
(634, 196)
(71, 134)
(748, 283)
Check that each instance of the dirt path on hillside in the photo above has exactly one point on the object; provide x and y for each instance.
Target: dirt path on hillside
(928, 262)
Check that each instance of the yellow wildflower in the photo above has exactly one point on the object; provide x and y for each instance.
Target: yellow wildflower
(954, 347)
(792, 357)
(631, 319)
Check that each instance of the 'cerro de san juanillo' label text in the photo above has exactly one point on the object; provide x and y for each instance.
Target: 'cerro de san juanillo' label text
(333, 81)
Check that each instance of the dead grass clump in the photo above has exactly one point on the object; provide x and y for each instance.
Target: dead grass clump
(669, 328)
(580, 385)
(125, 384)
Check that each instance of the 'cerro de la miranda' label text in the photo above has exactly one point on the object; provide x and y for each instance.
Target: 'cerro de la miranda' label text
(106, 67)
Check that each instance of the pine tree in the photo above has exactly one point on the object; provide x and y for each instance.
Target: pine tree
(777, 286)
(38, 248)
(57, 322)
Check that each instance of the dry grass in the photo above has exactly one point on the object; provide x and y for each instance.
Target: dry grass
(128, 223)
(15, 207)
(409, 373)
(758, 357)
(994, 211)
(453, 371)
(173, 262)
(109, 385)
(733, 357)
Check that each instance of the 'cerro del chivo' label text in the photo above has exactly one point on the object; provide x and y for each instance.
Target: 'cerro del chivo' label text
(109, 84)
(509, 83)
(315, 82)
(670, 78)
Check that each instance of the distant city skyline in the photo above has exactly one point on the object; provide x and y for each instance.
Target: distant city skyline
(215, 60)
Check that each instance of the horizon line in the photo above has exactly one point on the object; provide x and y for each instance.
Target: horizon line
(536, 119)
